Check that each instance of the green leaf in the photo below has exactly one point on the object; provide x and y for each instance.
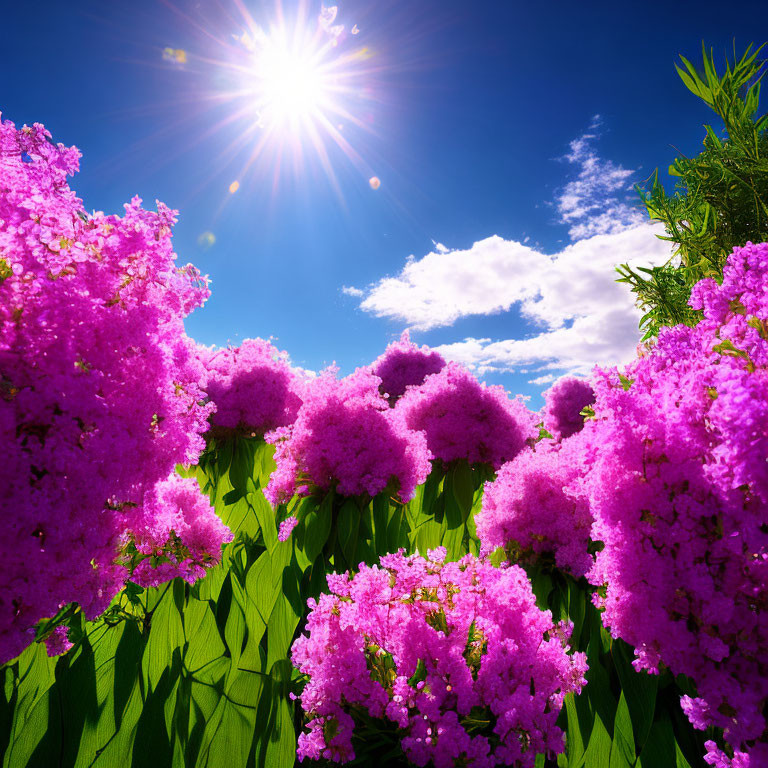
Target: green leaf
(598, 753)
(243, 459)
(626, 383)
(578, 726)
(419, 675)
(660, 750)
(397, 534)
(318, 527)
(263, 512)
(639, 690)
(623, 747)
(428, 536)
(235, 627)
(577, 607)
(281, 746)
(203, 642)
(36, 727)
(166, 635)
(462, 489)
(428, 495)
(347, 527)
(380, 508)
(285, 616)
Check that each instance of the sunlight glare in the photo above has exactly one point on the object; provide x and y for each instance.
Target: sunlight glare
(290, 86)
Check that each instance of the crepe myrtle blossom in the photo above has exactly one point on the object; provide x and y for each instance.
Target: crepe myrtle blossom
(716, 757)
(464, 419)
(179, 534)
(286, 528)
(405, 364)
(99, 385)
(458, 655)
(563, 403)
(345, 436)
(253, 386)
(676, 478)
(531, 512)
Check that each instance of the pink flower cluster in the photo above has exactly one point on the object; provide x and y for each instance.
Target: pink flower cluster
(456, 654)
(345, 436)
(530, 511)
(403, 365)
(177, 530)
(677, 480)
(756, 758)
(286, 528)
(464, 419)
(98, 383)
(253, 387)
(564, 402)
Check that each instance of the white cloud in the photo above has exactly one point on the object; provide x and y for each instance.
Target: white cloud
(579, 315)
(606, 337)
(547, 378)
(442, 287)
(595, 202)
(350, 290)
(585, 316)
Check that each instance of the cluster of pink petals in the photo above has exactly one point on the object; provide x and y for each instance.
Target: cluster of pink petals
(456, 654)
(177, 525)
(563, 403)
(58, 641)
(530, 511)
(677, 481)
(464, 419)
(345, 436)
(253, 386)
(405, 364)
(286, 528)
(756, 758)
(99, 395)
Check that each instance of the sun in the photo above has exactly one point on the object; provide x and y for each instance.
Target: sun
(300, 77)
(297, 92)
(292, 84)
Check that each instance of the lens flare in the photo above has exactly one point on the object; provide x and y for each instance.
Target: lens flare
(292, 83)
(295, 90)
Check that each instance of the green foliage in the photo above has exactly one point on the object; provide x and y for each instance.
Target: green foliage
(622, 717)
(721, 195)
(199, 676)
(443, 511)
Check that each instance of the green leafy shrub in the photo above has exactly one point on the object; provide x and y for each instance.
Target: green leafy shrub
(721, 196)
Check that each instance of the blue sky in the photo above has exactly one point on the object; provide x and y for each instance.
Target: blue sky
(506, 137)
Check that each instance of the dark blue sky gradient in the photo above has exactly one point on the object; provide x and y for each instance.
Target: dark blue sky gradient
(472, 104)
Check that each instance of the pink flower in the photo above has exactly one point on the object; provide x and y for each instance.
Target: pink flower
(286, 527)
(463, 419)
(99, 390)
(345, 436)
(676, 478)
(530, 511)
(403, 365)
(564, 402)
(427, 645)
(58, 641)
(253, 387)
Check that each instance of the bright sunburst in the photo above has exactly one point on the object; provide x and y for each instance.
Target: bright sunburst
(298, 85)
(292, 84)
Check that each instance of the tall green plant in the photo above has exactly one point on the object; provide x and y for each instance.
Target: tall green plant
(721, 195)
(199, 676)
